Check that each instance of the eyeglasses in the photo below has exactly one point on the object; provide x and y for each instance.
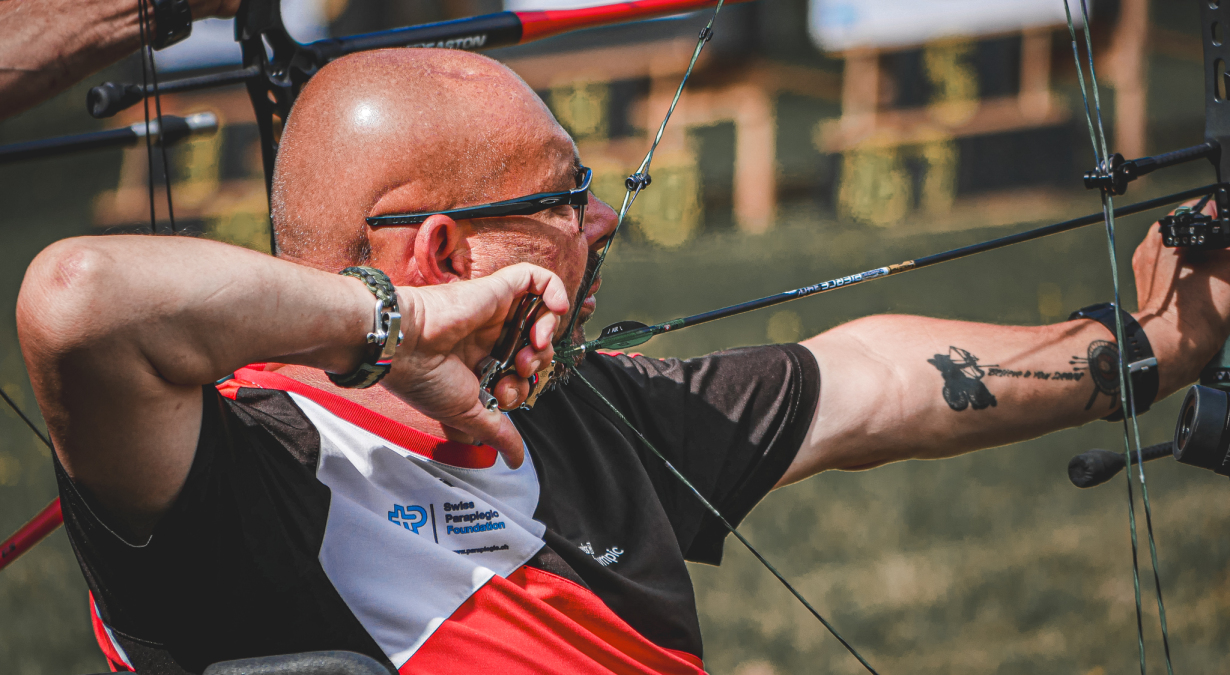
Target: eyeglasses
(578, 199)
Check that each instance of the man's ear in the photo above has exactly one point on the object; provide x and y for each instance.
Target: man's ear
(441, 253)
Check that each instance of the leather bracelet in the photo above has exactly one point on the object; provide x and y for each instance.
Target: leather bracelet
(1142, 364)
(172, 22)
(386, 323)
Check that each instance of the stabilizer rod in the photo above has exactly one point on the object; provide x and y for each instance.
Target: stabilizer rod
(488, 31)
(172, 130)
(42, 524)
(1119, 172)
(109, 98)
(1094, 467)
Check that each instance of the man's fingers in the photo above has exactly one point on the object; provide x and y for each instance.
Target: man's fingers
(528, 278)
(493, 429)
(511, 392)
(550, 287)
(543, 331)
(528, 361)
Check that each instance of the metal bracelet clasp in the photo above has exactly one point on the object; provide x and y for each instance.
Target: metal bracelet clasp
(385, 322)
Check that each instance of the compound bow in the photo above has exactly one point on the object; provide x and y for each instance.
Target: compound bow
(275, 68)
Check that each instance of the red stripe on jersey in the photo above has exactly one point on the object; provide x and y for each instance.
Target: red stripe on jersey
(613, 352)
(453, 453)
(537, 622)
(116, 662)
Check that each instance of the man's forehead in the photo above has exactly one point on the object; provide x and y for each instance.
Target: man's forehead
(433, 128)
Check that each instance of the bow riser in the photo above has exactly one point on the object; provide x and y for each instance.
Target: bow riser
(1214, 20)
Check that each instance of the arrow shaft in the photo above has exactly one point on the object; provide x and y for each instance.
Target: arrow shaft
(640, 335)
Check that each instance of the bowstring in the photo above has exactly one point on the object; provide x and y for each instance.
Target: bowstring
(639, 180)
(162, 131)
(149, 75)
(1127, 399)
(635, 183)
(142, 28)
(733, 530)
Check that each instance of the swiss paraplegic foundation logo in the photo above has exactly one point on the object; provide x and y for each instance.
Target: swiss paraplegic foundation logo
(411, 517)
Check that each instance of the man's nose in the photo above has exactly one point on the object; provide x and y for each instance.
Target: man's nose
(600, 221)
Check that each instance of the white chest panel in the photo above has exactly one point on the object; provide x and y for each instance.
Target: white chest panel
(409, 539)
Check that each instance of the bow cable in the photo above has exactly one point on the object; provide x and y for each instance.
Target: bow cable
(149, 74)
(37, 432)
(640, 179)
(718, 514)
(635, 183)
(1127, 399)
(149, 147)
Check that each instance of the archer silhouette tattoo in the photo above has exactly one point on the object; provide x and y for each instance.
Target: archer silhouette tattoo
(963, 375)
(1102, 362)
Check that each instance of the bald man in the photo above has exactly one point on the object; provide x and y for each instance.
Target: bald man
(279, 512)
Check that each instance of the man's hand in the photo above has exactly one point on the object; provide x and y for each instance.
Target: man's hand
(1184, 300)
(455, 326)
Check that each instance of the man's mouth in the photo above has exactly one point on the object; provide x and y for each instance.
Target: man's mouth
(589, 304)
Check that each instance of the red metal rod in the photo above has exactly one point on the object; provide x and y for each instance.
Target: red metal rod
(538, 25)
(31, 533)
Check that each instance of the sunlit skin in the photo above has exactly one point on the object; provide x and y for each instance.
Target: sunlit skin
(407, 131)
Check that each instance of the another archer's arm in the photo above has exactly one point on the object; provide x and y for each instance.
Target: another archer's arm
(908, 387)
(49, 45)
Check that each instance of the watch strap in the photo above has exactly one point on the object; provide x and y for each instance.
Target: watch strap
(1142, 364)
(172, 22)
(386, 331)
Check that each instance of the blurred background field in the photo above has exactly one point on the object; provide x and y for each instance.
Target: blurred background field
(786, 164)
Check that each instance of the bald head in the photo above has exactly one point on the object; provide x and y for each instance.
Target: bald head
(406, 130)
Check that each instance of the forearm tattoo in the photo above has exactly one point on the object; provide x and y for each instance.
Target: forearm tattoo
(1102, 363)
(963, 374)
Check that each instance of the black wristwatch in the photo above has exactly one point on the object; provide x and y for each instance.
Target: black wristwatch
(172, 22)
(386, 331)
(1142, 364)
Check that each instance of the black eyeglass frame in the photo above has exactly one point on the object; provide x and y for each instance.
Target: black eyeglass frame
(577, 198)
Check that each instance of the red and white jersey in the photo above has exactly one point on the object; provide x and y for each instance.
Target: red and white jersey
(308, 522)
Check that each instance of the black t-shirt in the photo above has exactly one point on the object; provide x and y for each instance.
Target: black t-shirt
(308, 522)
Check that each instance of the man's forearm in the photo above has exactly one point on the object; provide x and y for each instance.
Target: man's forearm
(901, 387)
(49, 45)
(191, 309)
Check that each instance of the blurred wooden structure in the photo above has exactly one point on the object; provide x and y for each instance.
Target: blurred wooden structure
(971, 126)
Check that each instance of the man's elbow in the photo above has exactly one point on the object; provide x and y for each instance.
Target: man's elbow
(59, 304)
